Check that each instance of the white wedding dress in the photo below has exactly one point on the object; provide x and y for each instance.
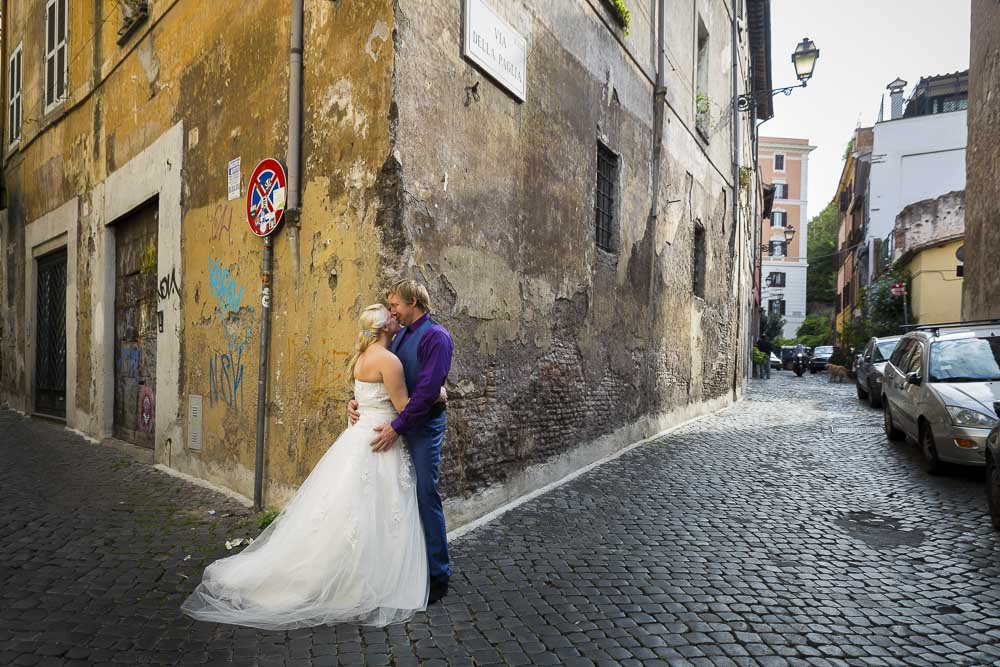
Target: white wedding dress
(348, 548)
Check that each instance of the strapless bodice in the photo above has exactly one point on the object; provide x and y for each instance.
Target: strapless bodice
(373, 399)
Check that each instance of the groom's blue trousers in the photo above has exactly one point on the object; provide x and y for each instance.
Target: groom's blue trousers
(425, 450)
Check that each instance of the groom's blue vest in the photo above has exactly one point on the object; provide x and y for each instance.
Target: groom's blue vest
(407, 353)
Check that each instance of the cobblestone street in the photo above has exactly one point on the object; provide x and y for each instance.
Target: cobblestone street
(785, 530)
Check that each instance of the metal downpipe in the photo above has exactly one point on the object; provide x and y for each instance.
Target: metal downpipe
(659, 102)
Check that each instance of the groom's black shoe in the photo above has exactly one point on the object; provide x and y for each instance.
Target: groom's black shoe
(438, 589)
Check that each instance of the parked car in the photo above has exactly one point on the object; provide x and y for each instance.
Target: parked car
(993, 472)
(938, 390)
(775, 361)
(820, 358)
(869, 367)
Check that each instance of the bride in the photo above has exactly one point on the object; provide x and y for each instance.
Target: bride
(349, 546)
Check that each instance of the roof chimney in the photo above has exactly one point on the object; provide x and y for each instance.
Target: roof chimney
(896, 95)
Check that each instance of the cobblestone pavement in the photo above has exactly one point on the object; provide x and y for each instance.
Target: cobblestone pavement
(758, 536)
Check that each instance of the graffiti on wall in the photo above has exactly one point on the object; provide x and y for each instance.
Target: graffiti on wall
(168, 285)
(225, 368)
(129, 360)
(222, 223)
(147, 409)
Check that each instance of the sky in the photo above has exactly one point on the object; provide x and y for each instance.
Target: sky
(863, 45)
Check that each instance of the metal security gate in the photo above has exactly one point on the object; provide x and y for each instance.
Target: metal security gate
(50, 325)
(135, 326)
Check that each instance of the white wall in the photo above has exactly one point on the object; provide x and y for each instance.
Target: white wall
(914, 159)
(794, 292)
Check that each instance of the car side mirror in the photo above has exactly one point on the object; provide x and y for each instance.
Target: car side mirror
(914, 378)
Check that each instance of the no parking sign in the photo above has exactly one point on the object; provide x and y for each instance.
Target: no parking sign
(266, 197)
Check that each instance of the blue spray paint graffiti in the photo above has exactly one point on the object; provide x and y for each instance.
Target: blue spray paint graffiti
(225, 289)
(226, 368)
(129, 360)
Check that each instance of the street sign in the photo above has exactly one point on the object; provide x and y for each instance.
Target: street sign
(898, 289)
(266, 197)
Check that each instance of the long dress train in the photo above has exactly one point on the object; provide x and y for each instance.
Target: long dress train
(348, 547)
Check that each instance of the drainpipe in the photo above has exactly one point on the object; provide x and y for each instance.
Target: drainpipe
(748, 349)
(293, 214)
(292, 217)
(659, 100)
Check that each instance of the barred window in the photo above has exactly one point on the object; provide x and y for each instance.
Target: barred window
(605, 196)
(698, 263)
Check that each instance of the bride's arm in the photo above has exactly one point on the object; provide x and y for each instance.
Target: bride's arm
(392, 377)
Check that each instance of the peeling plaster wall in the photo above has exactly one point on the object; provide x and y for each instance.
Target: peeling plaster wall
(982, 273)
(193, 76)
(564, 353)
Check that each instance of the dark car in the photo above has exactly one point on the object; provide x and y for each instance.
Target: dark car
(820, 358)
(993, 471)
(870, 366)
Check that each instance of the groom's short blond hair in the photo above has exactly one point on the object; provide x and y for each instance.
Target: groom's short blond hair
(411, 291)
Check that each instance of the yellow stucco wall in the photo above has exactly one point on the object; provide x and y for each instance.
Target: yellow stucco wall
(221, 71)
(936, 290)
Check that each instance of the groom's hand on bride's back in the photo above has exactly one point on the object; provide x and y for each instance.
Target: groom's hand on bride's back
(352, 412)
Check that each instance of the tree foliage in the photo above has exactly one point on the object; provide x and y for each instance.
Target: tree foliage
(815, 330)
(882, 312)
(821, 287)
(772, 325)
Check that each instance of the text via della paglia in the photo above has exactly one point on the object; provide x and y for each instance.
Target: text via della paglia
(489, 50)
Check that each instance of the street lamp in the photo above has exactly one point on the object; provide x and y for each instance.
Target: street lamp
(804, 59)
(789, 233)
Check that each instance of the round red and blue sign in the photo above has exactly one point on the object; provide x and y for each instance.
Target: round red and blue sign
(266, 197)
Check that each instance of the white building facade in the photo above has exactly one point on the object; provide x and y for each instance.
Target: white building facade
(784, 162)
(914, 158)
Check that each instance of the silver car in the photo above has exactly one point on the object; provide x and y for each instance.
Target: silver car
(869, 367)
(938, 390)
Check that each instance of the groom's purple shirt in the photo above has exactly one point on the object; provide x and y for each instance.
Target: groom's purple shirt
(434, 353)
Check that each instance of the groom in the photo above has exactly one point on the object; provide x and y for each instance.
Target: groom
(425, 348)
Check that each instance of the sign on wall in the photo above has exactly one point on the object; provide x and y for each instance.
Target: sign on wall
(495, 47)
(266, 197)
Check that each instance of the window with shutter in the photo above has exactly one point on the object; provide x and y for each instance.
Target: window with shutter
(14, 98)
(56, 63)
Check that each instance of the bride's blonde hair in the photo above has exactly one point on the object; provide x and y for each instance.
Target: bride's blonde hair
(373, 320)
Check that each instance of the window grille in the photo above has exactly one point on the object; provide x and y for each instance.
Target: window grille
(698, 265)
(604, 200)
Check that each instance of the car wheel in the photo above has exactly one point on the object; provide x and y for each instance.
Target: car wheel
(874, 398)
(929, 460)
(891, 431)
(812, 371)
(862, 394)
(993, 490)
